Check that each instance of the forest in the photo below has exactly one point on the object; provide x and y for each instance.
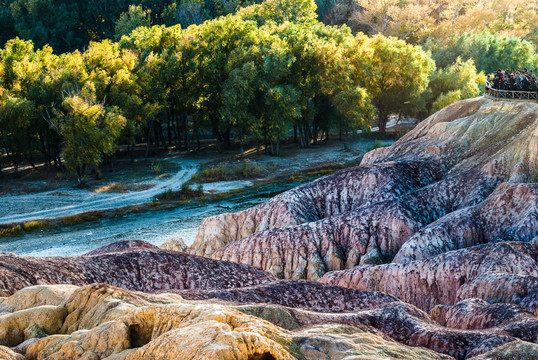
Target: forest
(78, 79)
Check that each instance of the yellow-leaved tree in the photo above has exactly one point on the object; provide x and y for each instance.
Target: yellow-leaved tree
(394, 73)
(89, 130)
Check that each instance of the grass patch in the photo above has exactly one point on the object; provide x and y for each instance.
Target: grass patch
(311, 174)
(80, 218)
(34, 225)
(186, 193)
(121, 187)
(10, 230)
(376, 145)
(156, 168)
(228, 172)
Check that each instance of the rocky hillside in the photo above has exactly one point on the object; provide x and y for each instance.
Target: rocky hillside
(104, 322)
(427, 250)
(465, 176)
(133, 265)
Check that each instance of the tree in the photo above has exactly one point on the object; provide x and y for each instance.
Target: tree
(130, 20)
(89, 130)
(7, 23)
(488, 51)
(458, 81)
(238, 94)
(280, 11)
(190, 12)
(393, 72)
(49, 22)
(14, 126)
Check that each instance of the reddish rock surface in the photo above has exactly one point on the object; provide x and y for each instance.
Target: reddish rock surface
(122, 245)
(143, 269)
(499, 272)
(399, 321)
(461, 178)
(336, 194)
(509, 213)
(477, 314)
(297, 294)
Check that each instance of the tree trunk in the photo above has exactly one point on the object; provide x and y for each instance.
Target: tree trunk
(43, 148)
(197, 140)
(383, 119)
(168, 122)
(148, 139)
(241, 141)
(227, 139)
(161, 136)
(186, 130)
(80, 176)
(315, 131)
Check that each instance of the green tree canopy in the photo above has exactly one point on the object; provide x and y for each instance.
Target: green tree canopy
(130, 20)
(89, 130)
(488, 51)
(394, 73)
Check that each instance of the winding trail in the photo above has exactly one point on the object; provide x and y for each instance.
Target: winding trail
(18, 208)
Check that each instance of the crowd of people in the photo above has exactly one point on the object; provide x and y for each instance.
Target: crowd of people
(521, 80)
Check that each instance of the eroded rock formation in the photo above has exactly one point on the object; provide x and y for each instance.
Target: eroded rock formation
(175, 244)
(511, 270)
(463, 177)
(142, 267)
(103, 322)
(297, 294)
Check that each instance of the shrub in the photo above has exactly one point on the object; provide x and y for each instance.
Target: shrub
(185, 187)
(376, 145)
(34, 225)
(156, 167)
(224, 172)
(10, 230)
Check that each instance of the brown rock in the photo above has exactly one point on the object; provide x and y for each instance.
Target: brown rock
(297, 294)
(476, 272)
(338, 193)
(143, 269)
(444, 186)
(7, 354)
(477, 314)
(119, 246)
(519, 350)
(112, 323)
(175, 244)
(510, 212)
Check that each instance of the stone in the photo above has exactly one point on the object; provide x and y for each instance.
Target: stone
(498, 272)
(175, 244)
(139, 268)
(106, 322)
(296, 294)
(7, 354)
(446, 185)
(519, 350)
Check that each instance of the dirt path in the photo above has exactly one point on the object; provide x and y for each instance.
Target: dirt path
(17, 208)
(66, 201)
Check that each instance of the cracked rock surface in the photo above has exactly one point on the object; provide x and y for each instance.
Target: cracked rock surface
(463, 177)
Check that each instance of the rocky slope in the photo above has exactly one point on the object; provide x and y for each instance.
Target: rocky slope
(104, 322)
(499, 272)
(463, 177)
(427, 250)
(134, 265)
